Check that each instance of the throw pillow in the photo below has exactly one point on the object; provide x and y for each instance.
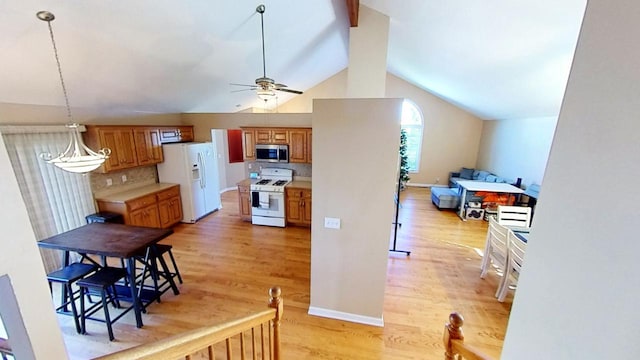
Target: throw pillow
(466, 173)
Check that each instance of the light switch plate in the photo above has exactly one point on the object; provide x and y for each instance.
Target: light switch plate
(332, 223)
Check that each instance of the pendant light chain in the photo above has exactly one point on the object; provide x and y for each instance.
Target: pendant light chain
(64, 87)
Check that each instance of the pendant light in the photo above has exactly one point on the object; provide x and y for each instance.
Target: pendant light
(77, 157)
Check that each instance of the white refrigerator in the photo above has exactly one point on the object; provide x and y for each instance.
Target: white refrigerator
(194, 167)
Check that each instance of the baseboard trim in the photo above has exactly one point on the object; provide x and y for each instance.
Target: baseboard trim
(425, 185)
(339, 315)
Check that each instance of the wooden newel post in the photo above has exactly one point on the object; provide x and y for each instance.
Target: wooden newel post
(452, 331)
(275, 301)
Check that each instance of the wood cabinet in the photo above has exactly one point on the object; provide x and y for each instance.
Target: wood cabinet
(133, 146)
(148, 146)
(159, 209)
(298, 139)
(173, 134)
(298, 146)
(272, 136)
(244, 201)
(169, 207)
(249, 144)
(298, 210)
(121, 142)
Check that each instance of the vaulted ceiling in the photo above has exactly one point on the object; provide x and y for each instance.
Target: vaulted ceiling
(497, 59)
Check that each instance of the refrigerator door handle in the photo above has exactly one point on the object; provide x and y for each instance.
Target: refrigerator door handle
(199, 157)
(204, 171)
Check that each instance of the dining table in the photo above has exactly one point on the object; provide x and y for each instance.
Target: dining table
(118, 241)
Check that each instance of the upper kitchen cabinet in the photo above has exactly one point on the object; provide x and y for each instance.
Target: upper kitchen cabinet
(272, 136)
(298, 139)
(148, 146)
(121, 142)
(298, 146)
(173, 134)
(249, 143)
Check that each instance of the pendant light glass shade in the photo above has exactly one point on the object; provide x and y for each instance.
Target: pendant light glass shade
(77, 157)
(266, 94)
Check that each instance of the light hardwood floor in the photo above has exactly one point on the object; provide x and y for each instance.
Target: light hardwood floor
(228, 266)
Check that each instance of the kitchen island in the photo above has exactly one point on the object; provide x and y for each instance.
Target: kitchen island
(156, 205)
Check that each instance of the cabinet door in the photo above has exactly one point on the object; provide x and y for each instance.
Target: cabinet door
(148, 146)
(186, 133)
(147, 217)
(249, 144)
(122, 145)
(306, 208)
(293, 213)
(175, 209)
(244, 202)
(170, 212)
(279, 136)
(298, 146)
(309, 146)
(263, 136)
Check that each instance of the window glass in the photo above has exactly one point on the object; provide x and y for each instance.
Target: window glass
(413, 124)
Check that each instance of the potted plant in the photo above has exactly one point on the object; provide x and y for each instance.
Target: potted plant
(404, 160)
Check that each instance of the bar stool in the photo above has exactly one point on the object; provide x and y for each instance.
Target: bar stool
(103, 282)
(66, 277)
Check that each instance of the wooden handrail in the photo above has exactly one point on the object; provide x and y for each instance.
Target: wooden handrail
(5, 348)
(454, 345)
(190, 342)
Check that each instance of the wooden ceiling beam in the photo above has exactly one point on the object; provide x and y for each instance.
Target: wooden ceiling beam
(352, 8)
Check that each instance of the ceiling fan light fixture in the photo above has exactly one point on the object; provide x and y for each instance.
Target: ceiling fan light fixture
(265, 95)
(77, 157)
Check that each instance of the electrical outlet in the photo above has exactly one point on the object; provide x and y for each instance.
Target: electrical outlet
(109, 182)
(124, 178)
(437, 180)
(250, 165)
(332, 223)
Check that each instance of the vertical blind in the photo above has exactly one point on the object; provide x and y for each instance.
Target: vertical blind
(56, 200)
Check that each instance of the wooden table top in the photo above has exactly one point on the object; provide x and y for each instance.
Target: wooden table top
(106, 239)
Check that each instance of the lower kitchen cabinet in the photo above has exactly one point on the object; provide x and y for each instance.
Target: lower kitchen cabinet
(298, 210)
(244, 198)
(159, 209)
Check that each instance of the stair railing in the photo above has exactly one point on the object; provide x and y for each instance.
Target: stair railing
(263, 344)
(454, 345)
(5, 349)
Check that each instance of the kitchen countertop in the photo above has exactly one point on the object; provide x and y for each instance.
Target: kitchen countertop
(300, 184)
(134, 193)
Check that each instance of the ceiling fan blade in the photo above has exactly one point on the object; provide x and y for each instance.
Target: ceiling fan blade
(290, 91)
(248, 89)
(254, 85)
(280, 85)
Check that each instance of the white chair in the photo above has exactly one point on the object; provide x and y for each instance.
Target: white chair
(515, 260)
(495, 250)
(514, 216)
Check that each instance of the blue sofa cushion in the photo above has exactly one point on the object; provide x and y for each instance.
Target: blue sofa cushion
(466, 173)
(491, 178)
(482, 175)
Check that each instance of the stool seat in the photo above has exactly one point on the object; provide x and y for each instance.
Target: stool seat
(102, 280)
(67, 276)
(445, 198)
(71, 273)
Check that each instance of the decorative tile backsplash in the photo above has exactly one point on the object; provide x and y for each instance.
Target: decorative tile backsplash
(299, 170)
(135, 177)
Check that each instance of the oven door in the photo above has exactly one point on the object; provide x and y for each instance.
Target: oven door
(267, 208)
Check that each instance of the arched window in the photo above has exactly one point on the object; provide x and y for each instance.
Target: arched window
(413, 124)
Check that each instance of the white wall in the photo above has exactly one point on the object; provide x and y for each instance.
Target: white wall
(348, 265)
(517, 148)
(20, 261)
(579, 291)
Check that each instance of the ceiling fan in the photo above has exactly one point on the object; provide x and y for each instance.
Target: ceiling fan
(265, 86)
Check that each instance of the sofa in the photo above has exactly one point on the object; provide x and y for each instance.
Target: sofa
(475, 175)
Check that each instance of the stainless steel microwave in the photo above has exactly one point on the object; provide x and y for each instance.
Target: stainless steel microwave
(272, 153)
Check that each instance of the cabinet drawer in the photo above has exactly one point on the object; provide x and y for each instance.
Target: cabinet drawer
(141, 202)
(169, 193)
(298, 193)
(244, 189)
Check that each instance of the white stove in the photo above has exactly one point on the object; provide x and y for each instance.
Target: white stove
(267, 197)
